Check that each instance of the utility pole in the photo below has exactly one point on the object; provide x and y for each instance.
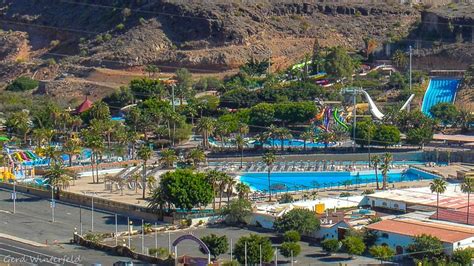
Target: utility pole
(14, 196)
(411, 53)
(116, 231)
(354, 113)
(80, 218)
(174, 123)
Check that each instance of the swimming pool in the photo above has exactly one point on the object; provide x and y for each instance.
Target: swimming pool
(440, 90)
(292, 181)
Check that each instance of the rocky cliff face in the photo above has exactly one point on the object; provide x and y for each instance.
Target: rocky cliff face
(201, 34)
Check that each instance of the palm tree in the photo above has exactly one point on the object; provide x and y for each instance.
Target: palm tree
(468, 187)
(326, 138)
(385, 167)
(57, 175)
(213, 178)
(51, 153)
(144, 153)
(439, 186)
(230, 188)
(243, 190)
(150, 181)
(206, 126)
(135, 178)
(283, 133)
(271, 133)
(168, 157)
(240, 142)
(196, 156)
(94, 141)
(464, 119)
(269, 158)
(71, 147)
(223, 180)
(307, 135)
(375, 162)
(399, 58)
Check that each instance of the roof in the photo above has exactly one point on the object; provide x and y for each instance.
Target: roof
(454, 216)
(461, 138)
(84, 106)
(409, 227)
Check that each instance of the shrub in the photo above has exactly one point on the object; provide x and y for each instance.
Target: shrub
(291, 236)
(23, 84)
(381, 252)
(463, 256)
(368, 192)
(286, 198)
(353, 245)
(331, 245)
(158, 252)
(54, 43)
(344, 194)
(107, 37)
(120, 26)
(288, 249)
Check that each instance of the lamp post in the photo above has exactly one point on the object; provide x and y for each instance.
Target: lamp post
(14, 196)
(53, 203)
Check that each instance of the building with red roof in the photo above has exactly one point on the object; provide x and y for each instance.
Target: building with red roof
(84, 106)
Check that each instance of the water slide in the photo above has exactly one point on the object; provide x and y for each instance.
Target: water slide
(321, 114)
(440, 90)
(18, 157)
(338, 119)
(372, 107)
(407, 102)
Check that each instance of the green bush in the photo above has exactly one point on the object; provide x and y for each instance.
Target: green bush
(120, 26)
(291, 236)
(331, 245)
(23, 84)
(288, 249)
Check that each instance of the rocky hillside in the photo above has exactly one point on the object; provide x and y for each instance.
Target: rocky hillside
(208, 35)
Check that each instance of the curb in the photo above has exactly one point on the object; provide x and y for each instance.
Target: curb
(22, 240)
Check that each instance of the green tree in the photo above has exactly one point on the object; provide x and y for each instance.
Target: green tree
(463, 256)
(331, 245)
(23, 84)
(381, 252)
(292, 236)
(168, 157)
(184, 84)
(237, 210)
(446, 112)
(387, 135)
(120, 98)
(283, 134)
(98, 111)
(365, 132)
(144, 154)
(217, 244)
(151, 70)
(438, 185)
(19, 122)
(262, 114)
(290, 249)
(464, 119)
(269, 158)
(385, 168)
(468, 187)
(240, 142)
(426, 246)
(338, 63)
(147, 88)
(353, 245)
(243, 190)
(71, 147)
(186, 189)
(307, 135)
(254, 244)
(301, 220)
(420, 136)
(95, 142)
(57, 175)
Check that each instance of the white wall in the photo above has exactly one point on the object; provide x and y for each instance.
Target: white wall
(266, 221)
(329, 232)
(385, 203)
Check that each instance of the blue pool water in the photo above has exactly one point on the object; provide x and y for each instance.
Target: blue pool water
(440, 90)
(296, 143)
(291, 181)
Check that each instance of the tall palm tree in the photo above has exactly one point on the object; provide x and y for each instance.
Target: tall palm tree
(206, 126)
(376, 162)
(230, 188)
(385, 167)
(144, 153)
(240, 142)
(196, 156)
(468, 187)
(305, 136)
(399, 58)
(223, 180)
(283, 134)
(439, 186)
(150, 181)
(51, 153)
(71, 147)
(271, 133)
(213, 178)
(95, 142)
(168, 157)
(269, 158)
(243, 190)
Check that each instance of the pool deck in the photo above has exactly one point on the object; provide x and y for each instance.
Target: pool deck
(447, 171)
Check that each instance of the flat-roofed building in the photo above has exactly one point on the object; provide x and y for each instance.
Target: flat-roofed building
(399, 233)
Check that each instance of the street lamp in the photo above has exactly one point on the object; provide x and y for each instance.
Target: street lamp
(92, 209)
(14, 196)
(53, 203)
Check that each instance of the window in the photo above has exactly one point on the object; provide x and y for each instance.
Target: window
(459, 243)
(384, 235)
(384, 204)
(395, 205)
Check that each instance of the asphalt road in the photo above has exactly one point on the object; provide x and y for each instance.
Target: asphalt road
(32, 221)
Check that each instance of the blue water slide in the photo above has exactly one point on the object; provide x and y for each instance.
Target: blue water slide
(440, 90)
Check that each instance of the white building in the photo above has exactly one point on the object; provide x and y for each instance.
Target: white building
(398, 234)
